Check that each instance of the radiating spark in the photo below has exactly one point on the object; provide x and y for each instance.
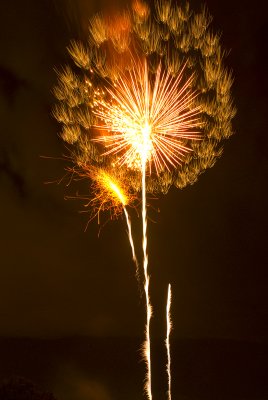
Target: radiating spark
(169, 327)
(147, 120)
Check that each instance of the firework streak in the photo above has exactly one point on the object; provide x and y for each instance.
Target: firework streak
(169, 327)
(131, 242)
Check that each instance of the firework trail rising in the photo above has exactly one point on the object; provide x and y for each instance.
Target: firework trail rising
(169, 327)
(147, 344)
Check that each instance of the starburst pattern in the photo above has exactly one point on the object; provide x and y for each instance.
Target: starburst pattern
(147, 120)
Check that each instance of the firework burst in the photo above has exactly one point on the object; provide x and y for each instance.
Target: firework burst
(143, 50)
(147, 121)
(149, 109)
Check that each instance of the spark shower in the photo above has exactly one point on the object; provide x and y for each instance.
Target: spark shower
(145, 105)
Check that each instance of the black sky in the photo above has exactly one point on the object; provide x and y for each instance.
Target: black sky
(209, 240)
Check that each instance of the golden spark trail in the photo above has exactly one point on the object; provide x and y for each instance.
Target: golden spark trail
(118, 193)
(169, 327)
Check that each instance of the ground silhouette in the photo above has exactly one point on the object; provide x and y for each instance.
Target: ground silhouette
(19, 388)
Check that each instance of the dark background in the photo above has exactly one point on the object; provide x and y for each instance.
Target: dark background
(71, 317)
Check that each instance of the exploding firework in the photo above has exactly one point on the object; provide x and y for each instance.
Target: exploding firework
(149, 98)
(154, 46)
(147, 123)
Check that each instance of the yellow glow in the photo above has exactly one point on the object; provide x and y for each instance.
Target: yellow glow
(109, 192)
(113, 187)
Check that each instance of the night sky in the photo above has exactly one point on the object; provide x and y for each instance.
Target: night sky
(208, 240)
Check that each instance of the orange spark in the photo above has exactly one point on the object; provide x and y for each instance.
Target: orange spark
(140, 8)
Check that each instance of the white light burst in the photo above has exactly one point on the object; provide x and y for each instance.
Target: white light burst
(147, 118)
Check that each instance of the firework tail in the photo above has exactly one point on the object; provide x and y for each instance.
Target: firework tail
(169, 327)
(147, 345)
(132, 243)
